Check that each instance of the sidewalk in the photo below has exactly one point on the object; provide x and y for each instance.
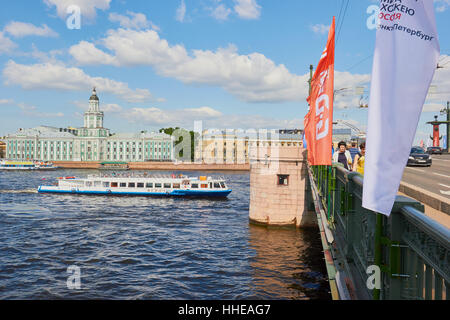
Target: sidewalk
(434, 214)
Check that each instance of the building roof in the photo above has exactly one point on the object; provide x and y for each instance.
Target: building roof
(140, 135)
(43, 132)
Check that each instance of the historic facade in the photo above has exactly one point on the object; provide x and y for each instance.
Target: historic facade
(232, 146)
(92, 142)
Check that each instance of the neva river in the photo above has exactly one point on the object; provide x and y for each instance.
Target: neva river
(148, 248)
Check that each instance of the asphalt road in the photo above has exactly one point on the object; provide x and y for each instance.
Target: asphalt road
(435, 179)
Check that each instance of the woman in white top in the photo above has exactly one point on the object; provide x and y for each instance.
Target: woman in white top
(343, 156)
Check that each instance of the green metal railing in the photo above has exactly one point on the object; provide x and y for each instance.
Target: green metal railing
(411, 250)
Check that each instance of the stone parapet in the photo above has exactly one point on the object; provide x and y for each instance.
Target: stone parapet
(274, 203)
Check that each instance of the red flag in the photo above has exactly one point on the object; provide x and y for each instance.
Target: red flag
(318, 122)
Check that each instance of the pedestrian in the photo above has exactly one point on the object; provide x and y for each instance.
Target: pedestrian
(358, 165)
(342, 155)
(353, 151)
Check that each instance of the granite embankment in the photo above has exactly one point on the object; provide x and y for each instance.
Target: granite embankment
(157, 166)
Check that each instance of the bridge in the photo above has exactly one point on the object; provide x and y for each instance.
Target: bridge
(371, 256)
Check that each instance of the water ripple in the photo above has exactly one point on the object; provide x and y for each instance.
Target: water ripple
(148, 248)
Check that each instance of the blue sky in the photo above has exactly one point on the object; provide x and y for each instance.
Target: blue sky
(230, 63)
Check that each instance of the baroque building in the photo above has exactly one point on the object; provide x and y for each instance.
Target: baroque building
(92, 142)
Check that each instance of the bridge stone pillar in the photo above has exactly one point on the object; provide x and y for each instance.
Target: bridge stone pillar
(278, 185)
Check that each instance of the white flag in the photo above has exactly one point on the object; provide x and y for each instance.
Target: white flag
(405, 59)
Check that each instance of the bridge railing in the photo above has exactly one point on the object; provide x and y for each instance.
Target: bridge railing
(411, 250)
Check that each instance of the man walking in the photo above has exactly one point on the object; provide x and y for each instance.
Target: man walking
(353, 151)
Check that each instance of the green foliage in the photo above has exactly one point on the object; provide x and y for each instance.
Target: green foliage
(193, 135)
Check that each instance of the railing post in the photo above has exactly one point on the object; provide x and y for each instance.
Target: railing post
(378, 249)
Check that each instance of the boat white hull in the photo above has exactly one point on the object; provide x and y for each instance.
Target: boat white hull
(136, 192)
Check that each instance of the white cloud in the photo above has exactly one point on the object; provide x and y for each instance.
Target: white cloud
(6, 44)
(221, 12)
(181, 12)
(32, 111)
(247, 9)
(320, 28)
(88, 7)
(111, 108)
(85, 53)
(132, 21)
(156, 116)
(211, 118)
(59, 77)
(23, 29)
(251, 78)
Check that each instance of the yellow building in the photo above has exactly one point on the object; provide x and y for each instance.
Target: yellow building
(2, 149)
(232, 146)
(222, 147)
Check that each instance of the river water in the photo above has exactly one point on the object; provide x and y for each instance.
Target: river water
(148, 248)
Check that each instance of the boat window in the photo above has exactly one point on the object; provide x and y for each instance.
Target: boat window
(158, 185)
(106, 184)
(210, 185)
(123, 185)
(216, 185)
(140, 185)
(222, 184)
(114, 184)
(194, 186)
(176, 185)
(88, 184)
(204, 186)
(167, 185)
(97, 183)
(149, 185)
(131, 185)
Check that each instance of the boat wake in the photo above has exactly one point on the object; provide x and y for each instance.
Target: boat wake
(19, 191)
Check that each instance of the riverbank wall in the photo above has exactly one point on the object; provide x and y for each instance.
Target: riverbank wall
(157, 166)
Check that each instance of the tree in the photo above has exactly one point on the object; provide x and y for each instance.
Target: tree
(181, 132)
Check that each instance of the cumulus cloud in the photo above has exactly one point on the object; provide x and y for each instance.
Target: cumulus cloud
(209, 116)
(85, 53)
(32, 111)
(88, 7)
(6, 44)
(59, 77)
(22, 29)
(156, 116)
(221, 12)
(132, 20)
(251, 78)
(247, 9)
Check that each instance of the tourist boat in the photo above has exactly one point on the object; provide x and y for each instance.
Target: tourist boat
(26, 165)
(141, 185)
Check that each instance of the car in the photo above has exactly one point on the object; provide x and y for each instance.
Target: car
(419, 157)
(434, 150)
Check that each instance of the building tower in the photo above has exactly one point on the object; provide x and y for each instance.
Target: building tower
(93, 119)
